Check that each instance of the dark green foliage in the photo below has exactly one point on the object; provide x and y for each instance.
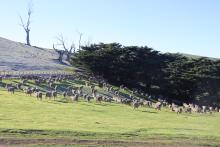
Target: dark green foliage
(171, 75)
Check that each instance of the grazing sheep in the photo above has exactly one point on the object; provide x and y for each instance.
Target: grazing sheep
(98, 98)
(94, 94)
(147, 103)
(204, 109)
(54, 94)
(48, 95)
(88, 98)
(116, 92)
(18, 85)
(39, 95)
(64, 94)
(177, 109)
(107, 99)
(50, 84)
(117, 99)
(75, 97)
(216, 109)
(135, 104)
(210, 109)
(196, 109)
(79, 92)
(73, 91)
(28, 91)
(84, 96)
(185, 105)
(8, 85)
(157, 106)
(11, 89)
(187, 110)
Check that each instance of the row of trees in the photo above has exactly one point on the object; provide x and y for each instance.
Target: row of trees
(171, 75)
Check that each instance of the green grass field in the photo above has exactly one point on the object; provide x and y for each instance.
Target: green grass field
(26, 117)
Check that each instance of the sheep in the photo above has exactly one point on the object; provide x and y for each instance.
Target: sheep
(11, 89)
(84, 96)
(210, 109)
(187, 110)
(79, 91)
(48, 95)
(204, 109)
(64, 94)
(98, 98)
(196, 109)
(107, 99)
(88, 98)
(50, 84)
(117, 99)
(54, 94)
(39, 95)
(18, 85)
(75, 97)
(116, 93)
(157, 106)
(216, 109)
(73, 91)
(177, 109)
(185, 105)
(28, 91)
(94, 93)
(147, 103)
(8, 85)
(135, 104)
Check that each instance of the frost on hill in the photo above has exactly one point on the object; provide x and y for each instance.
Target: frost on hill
(15, 56)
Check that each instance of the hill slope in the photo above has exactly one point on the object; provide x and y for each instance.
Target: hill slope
(17, 56)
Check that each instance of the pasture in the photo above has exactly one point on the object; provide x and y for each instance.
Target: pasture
(25, 117)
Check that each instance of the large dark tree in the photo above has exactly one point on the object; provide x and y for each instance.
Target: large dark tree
(173, 76)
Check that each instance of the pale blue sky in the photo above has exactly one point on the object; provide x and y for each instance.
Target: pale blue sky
(189, 26)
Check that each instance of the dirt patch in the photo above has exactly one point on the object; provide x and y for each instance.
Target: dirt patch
(60, 142)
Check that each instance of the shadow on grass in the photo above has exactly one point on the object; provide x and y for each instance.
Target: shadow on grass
(149, 111)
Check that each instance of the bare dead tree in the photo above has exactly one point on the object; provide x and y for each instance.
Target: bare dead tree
(80, 38)
(60, 52)
(26, 26)
(68, 51)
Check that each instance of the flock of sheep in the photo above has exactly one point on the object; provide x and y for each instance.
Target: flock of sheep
(95, 88)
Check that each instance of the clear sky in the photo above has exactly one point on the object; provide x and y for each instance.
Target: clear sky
(186, 26)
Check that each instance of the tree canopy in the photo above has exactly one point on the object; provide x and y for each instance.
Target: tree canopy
(173, 76)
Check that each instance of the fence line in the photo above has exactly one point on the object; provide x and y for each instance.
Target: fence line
(34, 72)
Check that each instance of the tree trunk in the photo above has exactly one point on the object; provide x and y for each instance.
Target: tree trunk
(28, 37)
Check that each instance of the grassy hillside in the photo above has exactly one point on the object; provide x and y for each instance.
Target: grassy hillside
(22, 116)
